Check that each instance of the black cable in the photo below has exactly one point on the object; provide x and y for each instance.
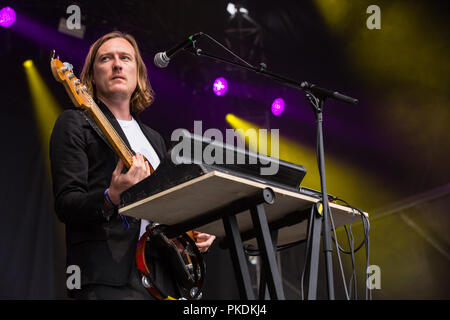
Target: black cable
(339, 256)
(290, 245)
(366, 234)
(354, 263)
(350, 239)
(353, 277)
(368, 293)
(366, 227)
(252, 251)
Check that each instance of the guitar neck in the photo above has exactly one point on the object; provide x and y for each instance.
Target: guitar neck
(79, 95)
(111, 135)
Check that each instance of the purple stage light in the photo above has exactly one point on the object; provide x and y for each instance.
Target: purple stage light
(278, 106)
(220, 86)
(7, 17)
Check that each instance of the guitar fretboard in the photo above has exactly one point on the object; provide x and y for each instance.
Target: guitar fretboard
(111, 134)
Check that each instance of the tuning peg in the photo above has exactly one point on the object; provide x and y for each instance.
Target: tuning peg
(68, 66)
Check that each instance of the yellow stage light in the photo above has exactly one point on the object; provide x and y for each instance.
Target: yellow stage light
(344, 180)
(46, 108)
(406, 60)
(28, 63)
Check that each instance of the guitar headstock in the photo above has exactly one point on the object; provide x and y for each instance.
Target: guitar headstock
(78, 93)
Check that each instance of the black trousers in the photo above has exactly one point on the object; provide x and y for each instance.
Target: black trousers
(133, 290)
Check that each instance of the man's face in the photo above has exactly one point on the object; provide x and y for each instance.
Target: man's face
(115, 69)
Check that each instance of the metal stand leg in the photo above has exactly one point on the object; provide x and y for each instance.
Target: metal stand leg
(313, 267)
(238, 258)
(263, 292)
(265, 246)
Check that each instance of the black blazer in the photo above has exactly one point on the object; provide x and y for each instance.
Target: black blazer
(82, 164)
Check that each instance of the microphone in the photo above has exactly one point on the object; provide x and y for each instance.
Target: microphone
(162, 59)
(328, 93)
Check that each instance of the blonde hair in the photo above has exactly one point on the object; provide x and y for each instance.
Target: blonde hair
(143, 96)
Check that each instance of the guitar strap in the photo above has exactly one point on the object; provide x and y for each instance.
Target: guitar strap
(95, 127)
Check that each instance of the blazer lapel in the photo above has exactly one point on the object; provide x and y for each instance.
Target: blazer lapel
(115, 124)
(151, 137)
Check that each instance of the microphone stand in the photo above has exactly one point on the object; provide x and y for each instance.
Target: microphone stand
(316, 97)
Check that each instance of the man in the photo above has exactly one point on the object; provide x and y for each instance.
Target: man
(88, 178)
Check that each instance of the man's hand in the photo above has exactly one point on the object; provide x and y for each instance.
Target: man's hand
(120, 182)
(203, 241)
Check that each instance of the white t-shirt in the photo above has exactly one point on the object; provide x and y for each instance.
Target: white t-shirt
(140, 144)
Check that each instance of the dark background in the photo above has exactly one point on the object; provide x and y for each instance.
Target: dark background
(389, 155)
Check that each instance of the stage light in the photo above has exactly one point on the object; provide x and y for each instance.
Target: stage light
(7, 17)
(28, 63)
(220, 86)
(343, 178)
(386, 59)
(278, 106)
(231, 8)
(45, 106)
